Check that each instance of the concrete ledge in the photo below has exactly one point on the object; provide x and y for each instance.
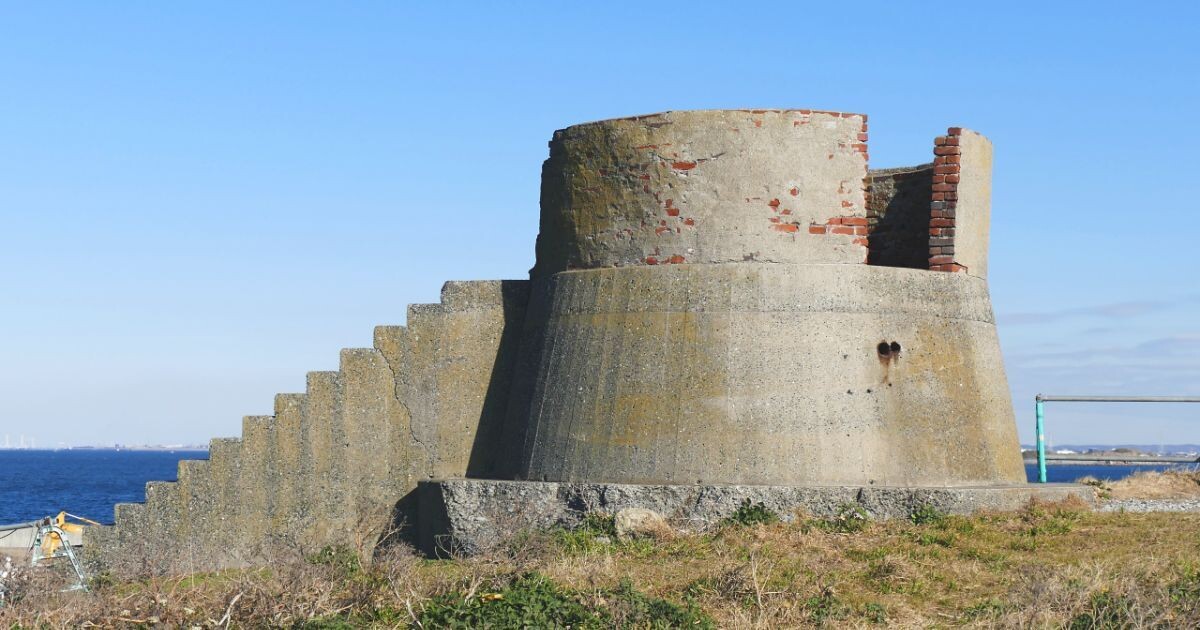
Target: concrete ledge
(469, 516)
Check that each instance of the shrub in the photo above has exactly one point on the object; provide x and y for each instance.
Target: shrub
(1184, 593)
(1105, 610)
(875, 613)
(531, 601)
(632, 608)
(597, 532)
(926, 514)
(341, 558)
(749, 514)
(824, 607)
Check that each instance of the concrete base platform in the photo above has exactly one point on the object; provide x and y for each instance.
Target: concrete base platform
(469, 516)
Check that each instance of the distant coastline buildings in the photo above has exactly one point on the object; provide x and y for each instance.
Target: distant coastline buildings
(29, 443)
(21, 443)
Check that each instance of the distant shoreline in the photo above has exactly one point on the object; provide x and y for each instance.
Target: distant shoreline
(1123, 462)
(161, 449)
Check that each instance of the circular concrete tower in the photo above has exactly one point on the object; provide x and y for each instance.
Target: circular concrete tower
(704, 312)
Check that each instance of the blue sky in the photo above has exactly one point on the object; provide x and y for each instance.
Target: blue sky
(202, 201)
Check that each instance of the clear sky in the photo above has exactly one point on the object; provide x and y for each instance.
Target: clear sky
(199, 202)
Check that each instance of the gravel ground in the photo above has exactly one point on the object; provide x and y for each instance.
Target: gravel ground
(1150, 505)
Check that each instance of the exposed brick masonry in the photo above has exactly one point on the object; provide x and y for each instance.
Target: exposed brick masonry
(944, 201)
(850, 224)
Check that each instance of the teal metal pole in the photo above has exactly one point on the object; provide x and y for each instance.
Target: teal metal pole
(1041, 441)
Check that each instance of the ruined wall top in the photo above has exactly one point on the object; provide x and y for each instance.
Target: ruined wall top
(701, 187)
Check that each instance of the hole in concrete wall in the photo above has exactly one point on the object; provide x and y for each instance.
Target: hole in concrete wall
(884, 349)
(895, 347)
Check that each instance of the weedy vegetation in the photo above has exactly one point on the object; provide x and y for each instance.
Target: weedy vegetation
(1048, 566)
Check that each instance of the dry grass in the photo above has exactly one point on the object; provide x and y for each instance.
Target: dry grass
(1168, 484)
(1048, 566)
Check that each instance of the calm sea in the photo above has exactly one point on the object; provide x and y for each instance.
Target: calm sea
(34, 484)
(1068, 473)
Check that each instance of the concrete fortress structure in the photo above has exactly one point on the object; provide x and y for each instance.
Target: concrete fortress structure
(725, 304)
(708, 313)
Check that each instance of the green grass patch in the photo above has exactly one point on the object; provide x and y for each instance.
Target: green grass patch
(534, 601)
(850, 518)
(749, 514)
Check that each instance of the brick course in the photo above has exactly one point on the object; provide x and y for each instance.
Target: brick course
(945, 199)
(844, 225)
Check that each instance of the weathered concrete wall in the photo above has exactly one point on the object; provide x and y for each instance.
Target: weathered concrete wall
(339, 462)
(973, 214)
(705, 187)
(898, 216)
(453, 397)
(721, 369)
(472, 516)
(770, 374)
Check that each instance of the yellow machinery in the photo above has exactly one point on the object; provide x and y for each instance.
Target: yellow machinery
(51, 541)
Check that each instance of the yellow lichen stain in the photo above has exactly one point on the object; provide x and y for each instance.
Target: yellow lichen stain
(930, 392)
(638, 420)
(680, 381)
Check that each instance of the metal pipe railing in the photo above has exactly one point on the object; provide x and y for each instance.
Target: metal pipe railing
(1165, 399)
(1041, 430)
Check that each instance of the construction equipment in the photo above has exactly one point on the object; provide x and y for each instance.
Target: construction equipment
(49, 539)
(51, 544)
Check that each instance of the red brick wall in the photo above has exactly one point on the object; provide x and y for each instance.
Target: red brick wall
(945, 200)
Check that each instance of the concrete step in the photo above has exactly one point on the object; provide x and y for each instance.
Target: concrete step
(421, 385)
(100, 548)
(407, 462)
(162, 525)
(255, 488)
(476, 328)
(368, 399)
(129, 553)
(223, 492)
(200, 518)
(224, 458)
(322, 420)
(287, 462)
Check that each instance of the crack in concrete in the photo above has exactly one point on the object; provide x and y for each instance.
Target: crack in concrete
(412, 433)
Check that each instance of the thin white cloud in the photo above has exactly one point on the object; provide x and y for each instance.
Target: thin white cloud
(1113, 310)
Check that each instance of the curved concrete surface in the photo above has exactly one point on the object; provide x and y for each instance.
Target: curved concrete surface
(770, 374)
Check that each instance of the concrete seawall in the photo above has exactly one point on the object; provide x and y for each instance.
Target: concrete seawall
(336, 464)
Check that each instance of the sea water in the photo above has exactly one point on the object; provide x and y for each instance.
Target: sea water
(35, 484)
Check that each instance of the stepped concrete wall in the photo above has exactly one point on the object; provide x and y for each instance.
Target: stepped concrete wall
(338, 463)
(719, 297)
